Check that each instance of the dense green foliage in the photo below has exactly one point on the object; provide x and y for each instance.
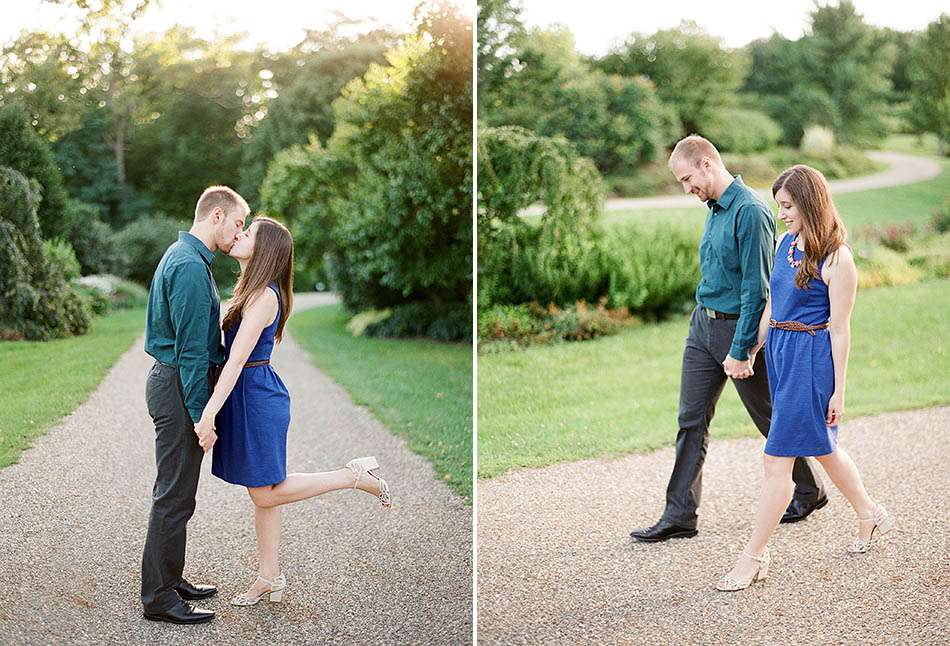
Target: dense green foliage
(566, 256)
(23, 150)
(37, 301)
(617, 121)
(385, 207)
(929, 79)
(692, 71)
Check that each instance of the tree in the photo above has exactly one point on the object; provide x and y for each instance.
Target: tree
(500, 34)
(22, 149)
(36, 300)
(854, 62)
(389, 197)
(692, 71)
(618, 122)
(306, 91)
(556, 261)
(837, 75)
(930, 81)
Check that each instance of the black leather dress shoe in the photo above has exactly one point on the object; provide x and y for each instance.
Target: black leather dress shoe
(662, 531)
(190, 592)
(182, 613)
(798, 510)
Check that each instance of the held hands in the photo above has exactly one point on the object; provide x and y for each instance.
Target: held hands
(738, 369)
(835, 409)
(204, 429)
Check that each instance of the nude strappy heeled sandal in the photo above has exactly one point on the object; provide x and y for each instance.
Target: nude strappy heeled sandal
(368, 465)
(729, 583)
(883, 522)
(275, 590)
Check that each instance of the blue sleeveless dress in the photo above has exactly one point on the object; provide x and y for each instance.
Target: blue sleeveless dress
(252, 424)
(800, 366)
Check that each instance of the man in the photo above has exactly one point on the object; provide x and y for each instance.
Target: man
(183, 334)
(736, 255)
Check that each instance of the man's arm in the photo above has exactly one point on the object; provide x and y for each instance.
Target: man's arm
(189, 301)
(755, 231)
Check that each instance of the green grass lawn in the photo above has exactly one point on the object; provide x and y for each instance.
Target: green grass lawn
(908, 203)
(421, 390)
(41, 382)
(911, 144)
(620, 394)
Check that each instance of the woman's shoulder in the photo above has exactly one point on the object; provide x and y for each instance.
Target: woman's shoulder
(264, 298)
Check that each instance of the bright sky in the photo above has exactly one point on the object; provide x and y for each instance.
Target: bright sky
(277, 23)
(598, 24)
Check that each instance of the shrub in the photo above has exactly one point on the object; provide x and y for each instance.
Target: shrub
(817, 141)
(940, 220)
(23, 150)
(553, 259)
(515, 322)
(92, 239)
(452, 322)
(504, 327)
(652, 272)
(143, 242)
(742, 131)
(879, 266)
(36, 300)
(932, 255)
(118, 292)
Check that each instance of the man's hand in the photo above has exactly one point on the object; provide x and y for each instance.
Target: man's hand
(738, 369)
(204, 429)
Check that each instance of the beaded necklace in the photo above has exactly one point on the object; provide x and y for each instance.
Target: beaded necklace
(794, 264)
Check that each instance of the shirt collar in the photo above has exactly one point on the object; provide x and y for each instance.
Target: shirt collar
(192, 241)
(728, 196)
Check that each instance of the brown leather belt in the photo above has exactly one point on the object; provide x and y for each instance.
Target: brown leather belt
(262, 362)
(797, 326)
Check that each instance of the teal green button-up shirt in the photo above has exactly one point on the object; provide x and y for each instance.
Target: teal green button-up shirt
(183, 318)
(735, 260)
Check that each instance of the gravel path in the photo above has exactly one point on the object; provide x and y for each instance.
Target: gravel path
(556, 564)
(74, 514)
(902, 169)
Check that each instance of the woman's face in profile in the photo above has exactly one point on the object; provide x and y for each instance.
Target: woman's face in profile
(243, 247)
(788, 211)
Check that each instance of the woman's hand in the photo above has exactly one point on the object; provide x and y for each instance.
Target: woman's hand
(835, 409)
(204, 429)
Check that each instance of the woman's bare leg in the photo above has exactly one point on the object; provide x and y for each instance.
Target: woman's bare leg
(841, 469)
(301, 486)
(297, 486)
(267, 527)
(777, 489)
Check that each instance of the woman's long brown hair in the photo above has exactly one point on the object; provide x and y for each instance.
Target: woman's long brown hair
(272, 261)
(822, 229)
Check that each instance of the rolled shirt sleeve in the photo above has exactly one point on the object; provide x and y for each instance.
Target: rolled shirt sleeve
(190, 306)
(755, 229)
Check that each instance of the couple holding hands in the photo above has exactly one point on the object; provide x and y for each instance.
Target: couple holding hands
(204, 395)
(774, 316)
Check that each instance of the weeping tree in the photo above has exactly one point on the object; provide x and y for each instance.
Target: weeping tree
(36, 300)
(556, 259)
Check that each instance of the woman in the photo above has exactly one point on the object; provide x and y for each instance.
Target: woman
(807, 319)
(250, 406)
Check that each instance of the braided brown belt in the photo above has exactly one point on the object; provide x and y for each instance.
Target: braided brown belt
(797, 326)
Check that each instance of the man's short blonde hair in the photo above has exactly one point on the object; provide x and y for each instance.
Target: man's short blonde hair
(693, 148)
(227, 199)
